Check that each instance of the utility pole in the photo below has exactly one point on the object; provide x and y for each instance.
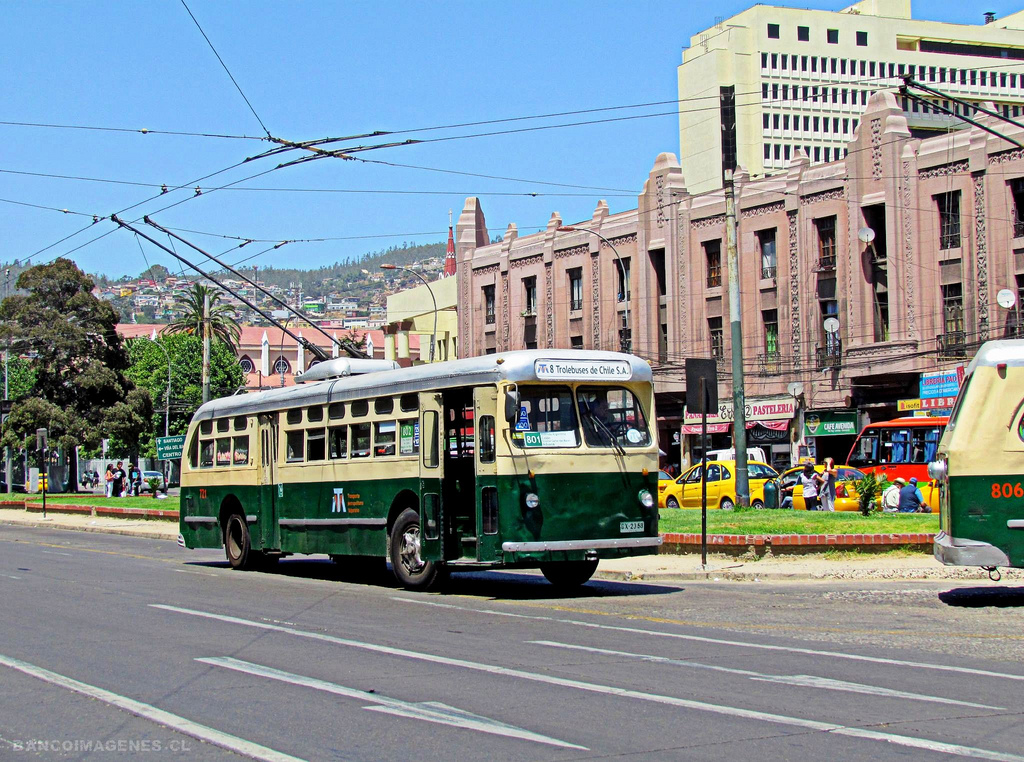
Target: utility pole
(8, 470)
(206, 348)
(739, 426)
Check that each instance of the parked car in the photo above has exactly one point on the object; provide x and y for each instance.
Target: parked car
(847, 498)
(664, 482)
(147, 475)
(685, 492)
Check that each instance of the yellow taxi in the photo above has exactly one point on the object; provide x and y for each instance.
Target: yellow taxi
(685, 492)
(847, 498)
(665, 480)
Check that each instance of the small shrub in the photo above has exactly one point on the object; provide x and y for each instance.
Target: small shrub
(868, 489)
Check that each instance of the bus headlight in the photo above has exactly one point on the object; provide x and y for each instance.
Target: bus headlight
(646, 499)
(937, 470)
(531, 500)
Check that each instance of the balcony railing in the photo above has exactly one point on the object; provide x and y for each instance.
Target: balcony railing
(768, 272)
(828, 357)
(827, 262)
(575, 304)
(770, 363)
(951, 346)
(489, 318)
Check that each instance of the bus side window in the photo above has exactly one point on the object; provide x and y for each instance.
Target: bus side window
(384, 438)
(193, 450)
(339, 442)
(223, 425)
(360, 440)
(294, 416)
(429, 439)
(241, 450)
(206, 454)
(316, 444)
(206, 427)
(224, 451)
(408, 437)
(295, 442)
(486, 439)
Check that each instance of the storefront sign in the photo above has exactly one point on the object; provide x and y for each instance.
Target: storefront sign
(925, 403)
(830, 423)
(766, 409)
(583, 370)
(942, 384)
(761, 434)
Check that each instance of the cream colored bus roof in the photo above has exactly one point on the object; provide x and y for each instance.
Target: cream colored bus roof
(1009, 352)
(471, 371)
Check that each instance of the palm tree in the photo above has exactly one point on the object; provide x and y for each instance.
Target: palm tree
(223, 318)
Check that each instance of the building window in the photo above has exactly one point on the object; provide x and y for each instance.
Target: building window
(949, 219)
(246, 364)
(489, 305)
(1017, 191)
(953, 308)
(832, 36)
(862, 39)
(826, 227)
(576, 288)
(622, 268)
(771, 340)
(803, 33)
(766, 244)
(530, 293)
(713, 255)
(576, 342)
(829, 351)
(773, 31)
(717, 339)
(282, 366)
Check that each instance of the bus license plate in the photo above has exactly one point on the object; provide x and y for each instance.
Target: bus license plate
(625, 527)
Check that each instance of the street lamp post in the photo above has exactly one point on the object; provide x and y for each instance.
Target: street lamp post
(433, 336)
(167, 397)
(626, 340)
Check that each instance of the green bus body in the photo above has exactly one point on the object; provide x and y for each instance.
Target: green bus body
(472, 498)
(980, 463)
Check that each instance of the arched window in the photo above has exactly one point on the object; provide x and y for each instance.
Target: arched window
(246, 364)
(282, 366)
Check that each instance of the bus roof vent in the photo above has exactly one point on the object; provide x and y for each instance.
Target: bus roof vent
(344, 366)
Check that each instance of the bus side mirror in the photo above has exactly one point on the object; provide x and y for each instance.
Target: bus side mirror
(512, 404)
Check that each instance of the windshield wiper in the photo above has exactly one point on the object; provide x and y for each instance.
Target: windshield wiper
(599, 423)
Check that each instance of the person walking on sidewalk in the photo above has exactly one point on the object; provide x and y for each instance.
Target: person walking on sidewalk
(809, 480)
(827, 490)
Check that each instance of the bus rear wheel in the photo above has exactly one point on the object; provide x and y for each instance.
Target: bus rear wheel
(411, 570)
(238, 543)
(568, 574)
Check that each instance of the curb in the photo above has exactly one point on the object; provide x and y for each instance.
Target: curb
(84, 509)
(793, 544)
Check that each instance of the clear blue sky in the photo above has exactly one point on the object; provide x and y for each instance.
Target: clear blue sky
(314, 70)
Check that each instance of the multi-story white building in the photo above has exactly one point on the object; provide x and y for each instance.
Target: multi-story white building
(802, 78)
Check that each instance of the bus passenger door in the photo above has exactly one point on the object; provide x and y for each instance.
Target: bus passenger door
(485, 404)
(269, 531)
(431, 476)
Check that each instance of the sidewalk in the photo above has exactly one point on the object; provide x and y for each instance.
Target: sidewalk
(665, 567)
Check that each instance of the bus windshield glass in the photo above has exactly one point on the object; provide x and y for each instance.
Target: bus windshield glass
(612, 417)
(916, 444)
(959, 403)
(547, 418)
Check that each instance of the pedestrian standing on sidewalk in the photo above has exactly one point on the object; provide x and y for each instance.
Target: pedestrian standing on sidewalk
(828, 485)
(110, 480)
(809, 480)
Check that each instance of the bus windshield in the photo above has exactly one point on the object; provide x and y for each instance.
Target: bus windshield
(612, 417)
(547, 417)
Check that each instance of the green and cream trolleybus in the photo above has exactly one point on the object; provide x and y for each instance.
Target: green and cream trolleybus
(980, 463)
(523, 459)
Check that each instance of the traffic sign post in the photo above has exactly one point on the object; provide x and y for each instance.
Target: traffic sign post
(170, 448)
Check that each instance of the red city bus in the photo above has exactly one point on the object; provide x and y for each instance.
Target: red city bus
(900, 447)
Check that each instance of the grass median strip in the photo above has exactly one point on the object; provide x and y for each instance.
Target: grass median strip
(170, 503)
(796, 522)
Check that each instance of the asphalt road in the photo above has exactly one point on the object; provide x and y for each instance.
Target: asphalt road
(116, 647)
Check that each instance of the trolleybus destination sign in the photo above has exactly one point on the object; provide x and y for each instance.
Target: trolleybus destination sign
(582, 370)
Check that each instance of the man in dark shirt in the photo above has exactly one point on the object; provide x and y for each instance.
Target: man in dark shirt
(119, 479)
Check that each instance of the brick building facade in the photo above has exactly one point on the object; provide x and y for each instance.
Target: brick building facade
(856, 277)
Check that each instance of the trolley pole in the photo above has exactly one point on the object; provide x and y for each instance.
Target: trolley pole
(739, 435)
(206, 349)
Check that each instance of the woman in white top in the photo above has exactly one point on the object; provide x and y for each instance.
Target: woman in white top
(827, 491)
(809, 480)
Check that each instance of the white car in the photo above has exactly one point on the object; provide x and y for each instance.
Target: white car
(147, 475)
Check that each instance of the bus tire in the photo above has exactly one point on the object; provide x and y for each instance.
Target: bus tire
(568, 574)
(411, 570)
(238, 543)
(672, 503)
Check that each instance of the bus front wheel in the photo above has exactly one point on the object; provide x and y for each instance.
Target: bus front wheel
(568, 574)
(412, 571)
(238, 543)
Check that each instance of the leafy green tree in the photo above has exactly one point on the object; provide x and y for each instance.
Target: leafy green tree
(223, 321)
(20, 377)
(148, 370)
(80, 392)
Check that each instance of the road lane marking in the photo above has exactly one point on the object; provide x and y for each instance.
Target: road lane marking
(54, 553)
(11, 576)
(430, 711)
(805, 681)
(610, 690)
(148, 712)
(721, 642)
(192, 571)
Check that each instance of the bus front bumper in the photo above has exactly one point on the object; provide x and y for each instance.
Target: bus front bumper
(953, 551)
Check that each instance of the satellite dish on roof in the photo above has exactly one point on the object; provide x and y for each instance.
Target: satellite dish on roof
(1006, 298)
(795, 389)
(867, 235)
(831, 325)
